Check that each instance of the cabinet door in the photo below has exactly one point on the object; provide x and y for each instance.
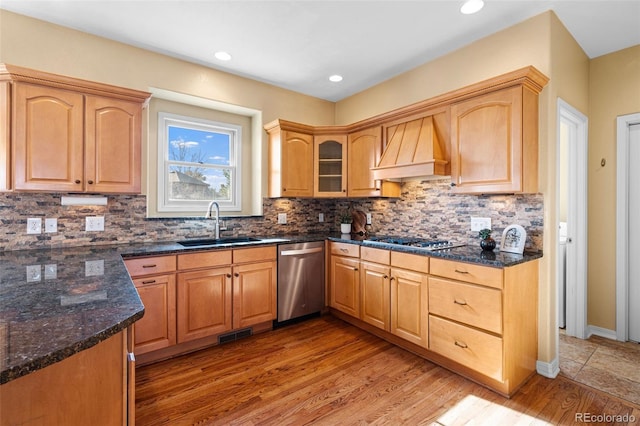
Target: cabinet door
(157, 328)
(374, 281)
(254, 293)
(330, 166)
(363, 153)
(409, 306)
(113, 145)
(345, 285)
(47, 139)
(297, 164)
(487, 143)
(204, 303)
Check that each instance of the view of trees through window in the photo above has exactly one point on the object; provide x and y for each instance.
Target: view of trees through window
(200, 163)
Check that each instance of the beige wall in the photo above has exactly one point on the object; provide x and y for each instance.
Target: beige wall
(614, 91)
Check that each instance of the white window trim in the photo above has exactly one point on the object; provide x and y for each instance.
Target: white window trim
(197, 207)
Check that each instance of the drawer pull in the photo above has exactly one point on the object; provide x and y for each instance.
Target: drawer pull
(385, 277)
(149, 266)
(458, 302)
(355, 269)
(344, 250)
(461, 345)
(461, 272)
(149, 282)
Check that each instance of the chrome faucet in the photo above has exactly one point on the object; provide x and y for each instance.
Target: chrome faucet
(217, 218)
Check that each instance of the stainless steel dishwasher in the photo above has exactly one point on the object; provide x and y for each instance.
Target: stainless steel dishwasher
(300, 280)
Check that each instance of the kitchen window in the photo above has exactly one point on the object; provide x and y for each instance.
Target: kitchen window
(198, 161)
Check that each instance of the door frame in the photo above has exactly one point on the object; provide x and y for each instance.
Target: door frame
(576, 312)
(623, 123)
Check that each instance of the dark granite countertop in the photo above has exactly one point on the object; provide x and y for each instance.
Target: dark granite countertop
(57, 302)
(468, 253)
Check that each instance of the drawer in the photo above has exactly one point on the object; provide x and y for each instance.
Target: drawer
(256, 254)
(472, 348)
(150, 265)
(413, 262)
(204, 259)
(471, 304)
(343, 249)
(468, 272)
(155, 280)
(375, 255)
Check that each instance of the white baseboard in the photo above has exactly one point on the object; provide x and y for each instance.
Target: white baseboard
(602, 332)
(548, 369)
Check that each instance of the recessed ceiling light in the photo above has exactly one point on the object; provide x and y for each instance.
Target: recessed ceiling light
(223, 56)
(471, 6)
(335, 78)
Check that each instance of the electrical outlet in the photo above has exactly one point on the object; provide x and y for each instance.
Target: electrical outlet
(50, 271)
(282, 218)
(368, 218)
(34, 225)
(93, 268)
(34, 273)
(320, 217)
(94, 223)
(479, 223)
(51, 225)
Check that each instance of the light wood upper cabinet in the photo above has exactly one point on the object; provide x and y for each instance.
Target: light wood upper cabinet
(364, 149)
(69, 135)
(290, 161)
(48, 138)
(112, 145)
(494, 142)
(330, 166)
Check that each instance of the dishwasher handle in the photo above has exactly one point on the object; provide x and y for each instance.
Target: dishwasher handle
(302, 251)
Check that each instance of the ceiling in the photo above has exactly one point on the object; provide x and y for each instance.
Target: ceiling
(297, 45)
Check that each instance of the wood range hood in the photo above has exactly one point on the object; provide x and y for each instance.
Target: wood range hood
(414, 149)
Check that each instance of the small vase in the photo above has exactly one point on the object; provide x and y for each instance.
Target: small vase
(488, 244)
(345, 228)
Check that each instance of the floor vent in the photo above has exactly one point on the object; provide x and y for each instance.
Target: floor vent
(234, 335)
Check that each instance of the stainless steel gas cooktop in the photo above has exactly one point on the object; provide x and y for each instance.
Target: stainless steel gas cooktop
(420, 243)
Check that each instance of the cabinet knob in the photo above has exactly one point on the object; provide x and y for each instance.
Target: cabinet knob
(78, 181)
(385, 276)
(355, 269)
(90, 182)
(228, 275)
(453, 184)
(377, 189)
(344, 190)
(392, 278)
(284, 189)
(236, 274)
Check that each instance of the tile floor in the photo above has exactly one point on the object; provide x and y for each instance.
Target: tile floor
(607, 365)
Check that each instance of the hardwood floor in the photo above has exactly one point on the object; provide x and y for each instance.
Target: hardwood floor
(327, 372)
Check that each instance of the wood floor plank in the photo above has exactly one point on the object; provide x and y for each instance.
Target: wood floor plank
(327, 372)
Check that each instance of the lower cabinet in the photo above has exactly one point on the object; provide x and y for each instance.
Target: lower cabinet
(382, 288)
(200, 295)
(204, 303)
(157, 328)
(91, 387)
(477, 320)
(345, 278)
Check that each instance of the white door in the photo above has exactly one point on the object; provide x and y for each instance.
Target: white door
(634, 233)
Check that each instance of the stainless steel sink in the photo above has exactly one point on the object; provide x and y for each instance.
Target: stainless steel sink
(217, 242)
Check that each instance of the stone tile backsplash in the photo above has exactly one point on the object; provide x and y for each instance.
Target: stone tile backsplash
(425, 209)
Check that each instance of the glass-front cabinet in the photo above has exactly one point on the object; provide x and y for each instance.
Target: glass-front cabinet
(330, 166)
